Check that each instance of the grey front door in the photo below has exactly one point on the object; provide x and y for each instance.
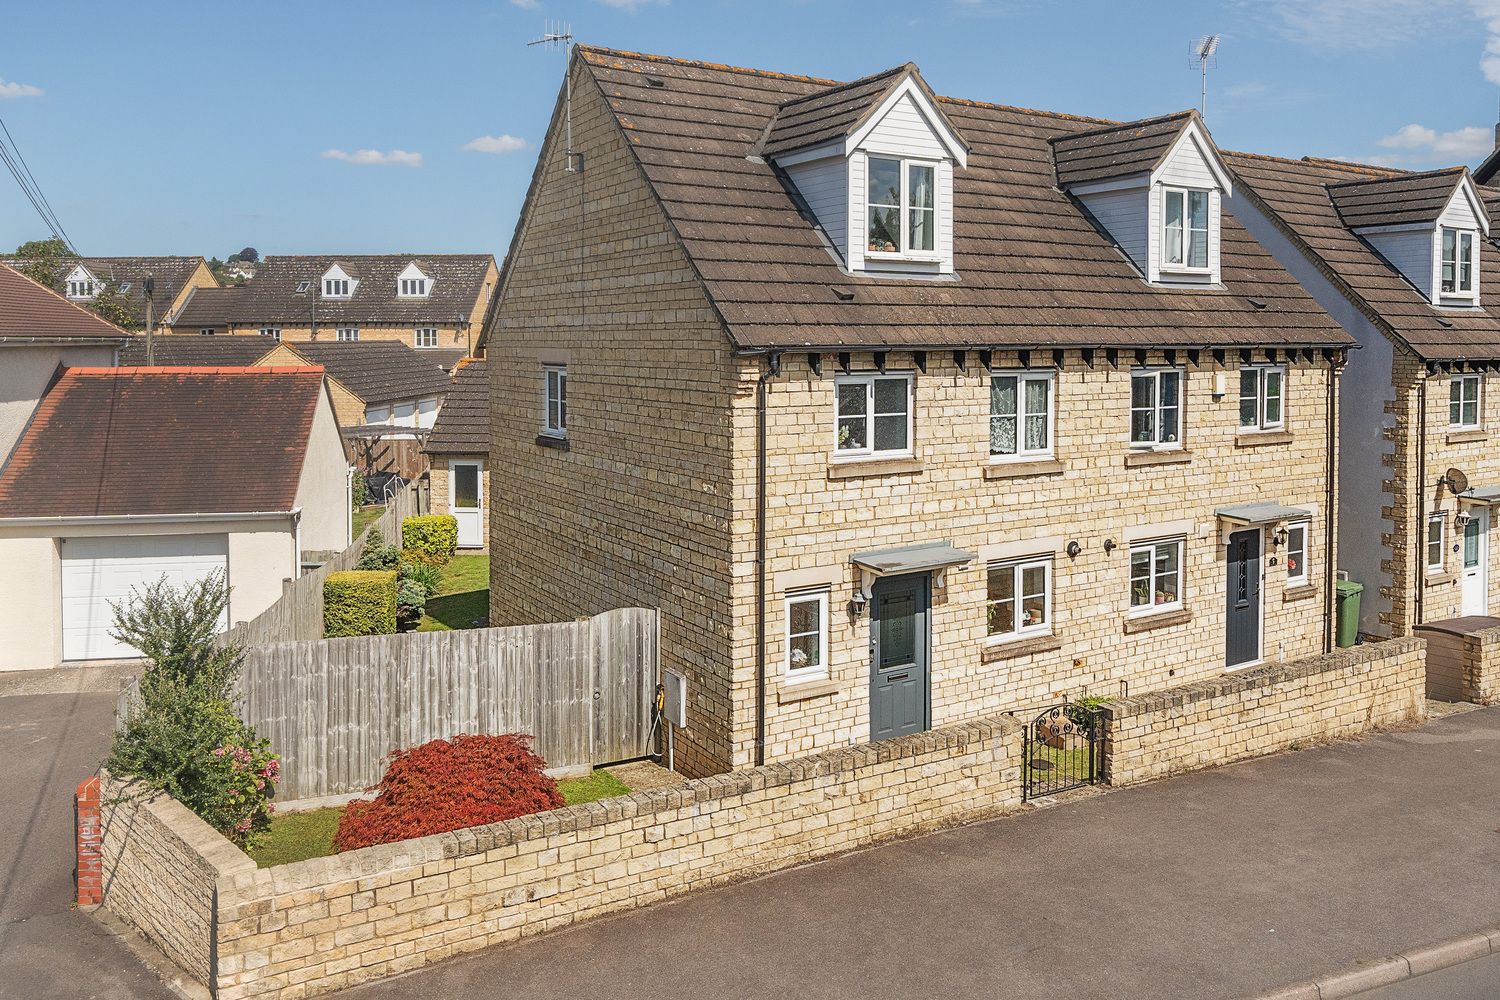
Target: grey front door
(1242, 591)
(898, 656)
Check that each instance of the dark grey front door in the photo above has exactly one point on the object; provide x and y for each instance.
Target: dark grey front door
(1242, 589)
(898, 656)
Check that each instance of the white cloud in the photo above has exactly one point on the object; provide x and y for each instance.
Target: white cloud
(495, 144)
(1489, 13)
(631, 5)
(525, 4)
(9, 88)
(1429, 144)
(1354, 24)
(397, 157)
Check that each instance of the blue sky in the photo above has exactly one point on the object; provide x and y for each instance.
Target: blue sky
(199, 128)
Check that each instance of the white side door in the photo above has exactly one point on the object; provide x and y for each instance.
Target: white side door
(1476, 569)
(466, 501)
(100, 571)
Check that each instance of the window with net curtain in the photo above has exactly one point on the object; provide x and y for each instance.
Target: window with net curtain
(1185, 228)
(1020, 415)
(900, 189)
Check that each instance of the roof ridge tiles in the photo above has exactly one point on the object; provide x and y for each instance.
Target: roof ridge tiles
(905, 67)
(196, 369)
(1137, 123)
(1406, 176)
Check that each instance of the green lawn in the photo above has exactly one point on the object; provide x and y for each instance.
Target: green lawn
(301, 835)
(463, 597)
(364, 516)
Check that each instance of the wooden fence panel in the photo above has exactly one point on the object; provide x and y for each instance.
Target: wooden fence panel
(335, 708)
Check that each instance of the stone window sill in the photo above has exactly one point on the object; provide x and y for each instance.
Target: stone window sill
(1300, 593)
(1438, 579)
(806, 689)
(1252, 439)
(874, 467)
(1145, 623)
(1017, 470)
(1468, 437)
(1170, 456)
(994, 651)
(556, 443)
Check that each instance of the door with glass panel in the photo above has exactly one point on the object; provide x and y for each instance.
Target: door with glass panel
(466, 482)
(1476, 576)
(899, 696)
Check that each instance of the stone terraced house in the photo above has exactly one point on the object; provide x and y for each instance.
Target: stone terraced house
(1399, 259)
(903, 409)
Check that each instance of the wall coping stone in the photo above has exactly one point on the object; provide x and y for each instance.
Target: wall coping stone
(209, 844)
(1259, 678)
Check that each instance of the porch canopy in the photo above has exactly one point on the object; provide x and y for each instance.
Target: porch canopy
(934, 556)
(1261, 513)
(1481, 494)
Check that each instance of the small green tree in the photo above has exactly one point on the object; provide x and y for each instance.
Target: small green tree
(47, 262)
(182, 735)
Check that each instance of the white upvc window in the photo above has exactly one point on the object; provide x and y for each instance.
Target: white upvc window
(1298, 536)
(1156, 408)
(205, 331)
(873, 416)
(1458, 262)
(335, 288)
(412, 288)
(1184, 229)
(901, 207)
(81, 288)
(348, 334)
(1463, 401)
(1262, 397)
(1156, 575)
(274, 332)
(555, 400)
(806, 635)
(1021, 415)
(1437, 528)
(1018, 601)
(425, 336)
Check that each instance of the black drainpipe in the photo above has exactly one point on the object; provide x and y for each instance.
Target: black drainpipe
(773, 368)
(1330, 516)
(1419, 530)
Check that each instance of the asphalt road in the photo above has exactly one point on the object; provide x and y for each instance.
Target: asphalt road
(1477, 980)
(1223, 884)
(49, 743)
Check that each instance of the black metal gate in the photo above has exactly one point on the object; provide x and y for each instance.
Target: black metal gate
(1062, 749)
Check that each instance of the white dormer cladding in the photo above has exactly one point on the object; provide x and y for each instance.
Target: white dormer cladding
(883, 193)
(1441, 258)
(413, 283)
(337, 284)
(1167, 219)
(81, 285)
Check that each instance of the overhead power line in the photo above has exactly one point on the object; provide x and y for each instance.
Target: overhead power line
(10, 155)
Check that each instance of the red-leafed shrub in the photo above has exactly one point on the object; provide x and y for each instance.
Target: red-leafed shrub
(449, 785)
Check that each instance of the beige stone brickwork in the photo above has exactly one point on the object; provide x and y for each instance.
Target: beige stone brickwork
(161, 864)
(1462, 665)
(441, 481)
(1263, 710)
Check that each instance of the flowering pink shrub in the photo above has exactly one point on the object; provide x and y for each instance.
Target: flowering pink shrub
(241, 776)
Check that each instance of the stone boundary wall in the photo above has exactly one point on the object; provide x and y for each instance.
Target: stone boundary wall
(160, 866)
(1462, 666)
(1263, 710)
(329, 923)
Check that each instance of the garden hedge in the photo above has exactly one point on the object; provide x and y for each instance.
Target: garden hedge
(431, 538)
(359, 602)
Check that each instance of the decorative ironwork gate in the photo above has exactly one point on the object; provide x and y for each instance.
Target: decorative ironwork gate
(1062, 749)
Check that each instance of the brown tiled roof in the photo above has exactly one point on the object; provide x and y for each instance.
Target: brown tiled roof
(377, 371)
(107, 441)
(1032, 269)
(463, 424)
(1397, 200)
(271, 297)
(29, 310)
(1486, 171)
(1297, 193)
(169, 275)
(192, 351)
(834, 112)
(446, 357)
(1117, 151)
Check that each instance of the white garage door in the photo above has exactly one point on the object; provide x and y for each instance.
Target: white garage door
(98, 571)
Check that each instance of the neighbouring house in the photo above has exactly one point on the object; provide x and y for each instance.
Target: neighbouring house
(431, 302)
(1400, 259)
(172, 281)
(124, 476)
(40, 332)
(459, 448)
(903, 409)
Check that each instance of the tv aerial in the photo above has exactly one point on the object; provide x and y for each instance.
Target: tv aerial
(1205, 52)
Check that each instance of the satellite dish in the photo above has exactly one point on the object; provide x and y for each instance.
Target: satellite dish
(1457, 481)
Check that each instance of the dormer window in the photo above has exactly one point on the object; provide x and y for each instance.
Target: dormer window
(413, 287)
(82, 288)
(335, 288)
(902, 207)
(412, 283)
(1185, 229)
(1458, 262)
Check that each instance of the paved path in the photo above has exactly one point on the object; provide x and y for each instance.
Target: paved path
(49, 743)
(1219, 885)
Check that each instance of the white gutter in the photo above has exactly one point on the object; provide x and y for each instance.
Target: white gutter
(258, 515)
